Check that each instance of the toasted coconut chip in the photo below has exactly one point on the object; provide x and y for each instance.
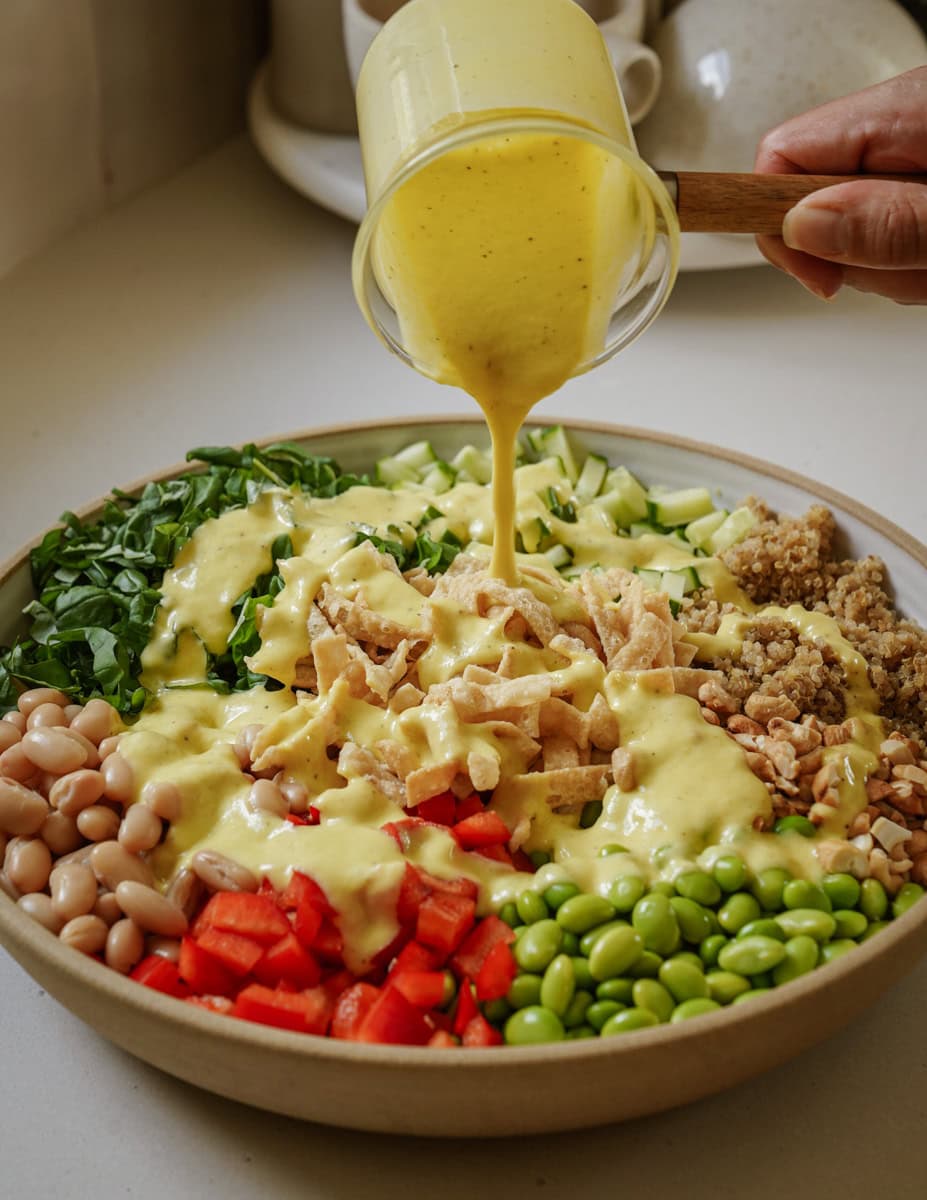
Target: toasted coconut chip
(603, 724)
(364, 623)
(484, 771)
(317, 623)
(475, 701)
(476, 674)
(354, 762)
(476, 591)
(559, 752)
(572, 787)
(520, 833)
(426, 782)
(684, 653)
(582, 633)
(398, 758)
(623, 769)
(381, 678)
(407, 695)
(527, 748)
(419, 578)
(330, 658)
(558, 717)
(604, 613)
(527, 719)
(304, 676)
(688, 681)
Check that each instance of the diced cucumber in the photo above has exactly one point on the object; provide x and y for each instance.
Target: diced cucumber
(562, 511)
(440, 477)
(553, 442)
(698, 532)
(690, 578)
(643, 528)
(680, 508)
(649, 578)
(630, 490)
(472, 465)
(673, 584)
(417, 454)
(591, 477)
(560, 556)
(534, 534)
(391, 472)
(734, 528)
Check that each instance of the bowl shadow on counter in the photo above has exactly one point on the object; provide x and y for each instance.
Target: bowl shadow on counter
(782, 1134)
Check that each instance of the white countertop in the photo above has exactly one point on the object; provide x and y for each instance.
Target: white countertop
(218, 308)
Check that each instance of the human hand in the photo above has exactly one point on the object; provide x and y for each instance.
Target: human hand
(870, 235)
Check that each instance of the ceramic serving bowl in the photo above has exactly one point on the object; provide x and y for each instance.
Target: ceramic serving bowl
(504, 1090)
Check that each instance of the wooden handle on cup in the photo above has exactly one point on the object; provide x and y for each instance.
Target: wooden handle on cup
(719, 202)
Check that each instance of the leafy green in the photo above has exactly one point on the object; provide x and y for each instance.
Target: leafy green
(97, 583)
(434, 554)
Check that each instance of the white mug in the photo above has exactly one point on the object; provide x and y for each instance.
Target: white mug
(621, 23)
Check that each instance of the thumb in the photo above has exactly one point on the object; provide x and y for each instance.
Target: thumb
(866, 223)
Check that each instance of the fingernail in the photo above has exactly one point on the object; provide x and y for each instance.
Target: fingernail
(821, 291)
(818, 231)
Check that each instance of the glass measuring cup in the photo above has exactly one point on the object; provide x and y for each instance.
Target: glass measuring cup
(445, 80)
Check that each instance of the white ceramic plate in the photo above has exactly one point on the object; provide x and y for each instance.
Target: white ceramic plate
(504, 1090)
(327, 169)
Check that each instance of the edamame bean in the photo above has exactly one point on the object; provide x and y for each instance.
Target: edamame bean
(763, 979)
(694, 922)
(795, 823)
(558, 893)
(525, 990)
(614, 953)
(655, 921)
(538, 945)
(580, 1033)
(616, 989)
(874, 928)
(509, 913)
(690, 957)
(729, 873)
(588, 940)
(738, 910)
(751, 995)
(601, 1011)
(812, 921)
(726, 986)
(850, 923)
(625, 891)
(682, 980)
(662, 888)
(750, 956)
(628, 1020)
(646, 967)
(570, 943)
(497, 1011)
(767, 887)
(801, 956)
(581, 972)
(908, 894)
(842, 890)
(836, 949)
(799, 893)
(575, 1014)
(711, 947)
(652, 995)
(531, 907)
(698, 886)
(533, 1025)
(873, 901)
(612, 848)
(558, 985)
(581, 913)
(693, 1007)
(590, 814)
(539, 858)
(765, 927)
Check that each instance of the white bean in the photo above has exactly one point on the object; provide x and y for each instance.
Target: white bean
(15, 765)
(118, 778)
(112, 864)
(222, 874)
(52, 750)
(125, 945)
(265, 796)
(28, 863)
(60, 834)
(39, 906)
(73, 890)
(163, 798)
(41, 695)
(22, 811)
(96, 721)
(140, 829)
(46, 715)
(87, 934)
(9, 736)
(74, 792)
(150, 910)
(98, 823)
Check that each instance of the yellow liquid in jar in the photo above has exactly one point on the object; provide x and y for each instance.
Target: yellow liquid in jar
(503, 259)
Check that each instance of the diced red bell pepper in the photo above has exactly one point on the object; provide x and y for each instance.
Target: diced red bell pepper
(236, 953)
(442, 1040)
(351, 1007)
(162, 975)
(456, 887)
(307, 1011)
(424, 989)
(439, 810)
(287, 961)
(298, 818)
(403, 832)
(484, 828)
(216, 1004)
(203, 973)
(245, 913)
(329, 944)
(478, 943)
(521, 862)
(416, 957)
(393, 1020)
(314, 814)
(444, 921)
(267, 889)
(468, 807)
(338, 981)
(466, 1008)
(479, 1032)
(495, 976)
(303, 889)
(498, 854)
(307, 921)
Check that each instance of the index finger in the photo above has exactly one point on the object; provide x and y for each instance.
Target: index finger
(883, 128)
